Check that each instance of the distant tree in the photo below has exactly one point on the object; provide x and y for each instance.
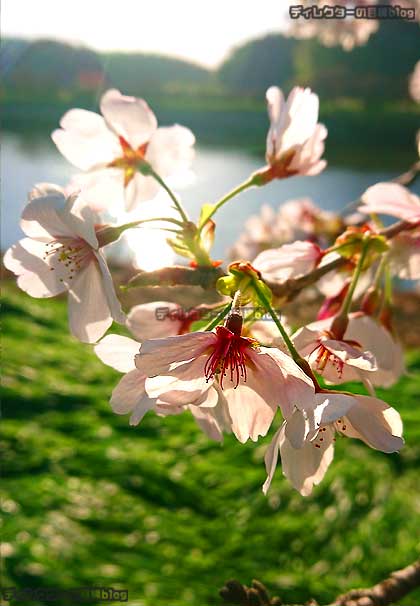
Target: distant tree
(257, 64)
(139, 73)
(378, 70)
(51, 65)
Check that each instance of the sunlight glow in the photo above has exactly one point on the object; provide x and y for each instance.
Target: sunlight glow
(147, 246)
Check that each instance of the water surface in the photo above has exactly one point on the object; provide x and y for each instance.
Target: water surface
(28, 160)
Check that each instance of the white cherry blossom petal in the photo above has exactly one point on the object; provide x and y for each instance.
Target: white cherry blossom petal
(252, 404)
(296, 429)
(46, 212)
(140, 189)
(128, 117)
(298, 389)
(306, 467)
(404, 255)
(118, 352)
(214, 421)
(287, 261)
(373, 421)
(89, 314)
(129, 397)
(35, 276)
(85, 140)
(183, 385)
(350, 355)
(114, 304)
(391, 199)
(171, 149)
(331, 406)
(376, 338)
(294, 140)
(272, 456)
(157, 355)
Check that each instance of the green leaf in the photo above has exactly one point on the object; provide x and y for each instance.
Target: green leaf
(180, 248)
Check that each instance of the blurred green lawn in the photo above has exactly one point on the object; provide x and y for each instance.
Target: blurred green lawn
(162, 511)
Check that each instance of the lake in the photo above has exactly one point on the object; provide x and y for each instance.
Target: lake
(29, 160)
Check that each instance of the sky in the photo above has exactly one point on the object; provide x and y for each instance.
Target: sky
(202, 31)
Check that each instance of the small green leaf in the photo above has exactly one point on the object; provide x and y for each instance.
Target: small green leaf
(179, 247)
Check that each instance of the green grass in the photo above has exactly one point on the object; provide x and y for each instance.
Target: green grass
(164, 512)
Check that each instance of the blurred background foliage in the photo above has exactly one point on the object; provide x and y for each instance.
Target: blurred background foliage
(364, 96)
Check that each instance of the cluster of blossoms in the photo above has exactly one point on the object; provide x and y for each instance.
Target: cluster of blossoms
(237, 373)
(345, 23)
(345, 31)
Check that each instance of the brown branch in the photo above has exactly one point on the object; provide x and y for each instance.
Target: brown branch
(409, 176)
(289, 289)
(206, 277)
(385, 593)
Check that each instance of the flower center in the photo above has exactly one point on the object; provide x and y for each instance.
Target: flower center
(130, 159)
(325, 356)
(230, 352)
(67, 256)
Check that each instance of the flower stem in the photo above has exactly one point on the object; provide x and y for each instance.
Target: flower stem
(266, 303)
(245, 185)
(111, 233)
(171, 194)
(388, 285)
(301, 362)
(219, 317)
(379, 272)
(140, 221)
(345, 308)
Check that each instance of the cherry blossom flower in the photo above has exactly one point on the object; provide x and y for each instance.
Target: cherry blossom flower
(337, 359)
(166, 319)
(370, 352)
(209, 367)
(288, 261)
(294, 220)
(114, 146)
(305, 441)
(391, 199)
(62, 252)
(295, 140)
(333, 282)
(130, 397)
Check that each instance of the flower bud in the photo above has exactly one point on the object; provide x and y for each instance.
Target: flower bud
(243, 277)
